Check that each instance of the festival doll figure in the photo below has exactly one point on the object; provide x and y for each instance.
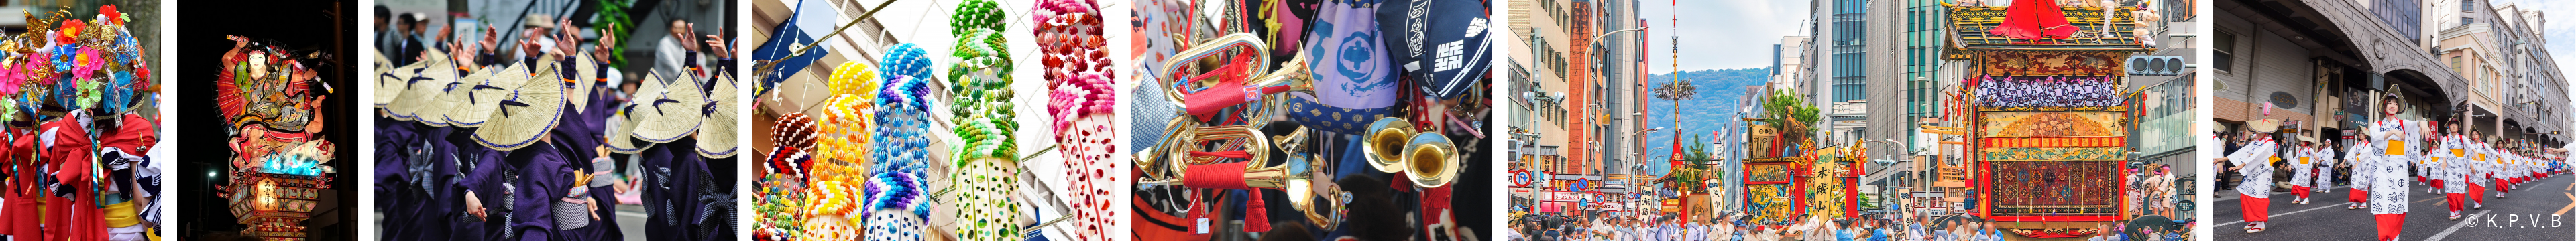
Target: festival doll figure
(2361, 157)
(2398, 142)
(2301, 165)
(2255, 162)
(2451, 166)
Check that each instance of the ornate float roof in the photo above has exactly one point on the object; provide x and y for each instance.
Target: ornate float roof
(1969, 25)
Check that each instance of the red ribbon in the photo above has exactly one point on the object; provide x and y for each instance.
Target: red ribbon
(1216, 176)
(1226, 93)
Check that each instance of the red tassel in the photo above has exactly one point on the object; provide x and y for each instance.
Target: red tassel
(1400, 183)
(1256, 219)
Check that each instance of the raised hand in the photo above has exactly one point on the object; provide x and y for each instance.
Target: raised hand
(528, 44)
(443, 31)
(567, 38)
(716, 45)
(687, 41)
(607, 43)
(491, 38)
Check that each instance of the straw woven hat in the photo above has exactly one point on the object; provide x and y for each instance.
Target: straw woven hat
(388, 85)
(520, 108)
(716, 137)
(621, 140)
(459, 98)
(667, 111)
(439, 101)
(420, 86)
(2266, 126)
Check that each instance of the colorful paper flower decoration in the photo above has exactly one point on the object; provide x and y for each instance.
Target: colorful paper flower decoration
(69, 32)
(12, 74)
(113, 17)
(87, 63)
(62, 57)
(89, 95)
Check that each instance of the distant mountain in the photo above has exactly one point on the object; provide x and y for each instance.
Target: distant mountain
(1715, 106)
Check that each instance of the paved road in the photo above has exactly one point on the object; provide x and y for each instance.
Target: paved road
(2539, 211)
(630, 220)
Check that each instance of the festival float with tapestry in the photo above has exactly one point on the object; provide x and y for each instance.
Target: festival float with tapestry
(2048, 114)
(1787, 178)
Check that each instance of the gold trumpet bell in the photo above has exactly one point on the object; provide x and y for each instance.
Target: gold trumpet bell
(1385, 143)
(1432, 162)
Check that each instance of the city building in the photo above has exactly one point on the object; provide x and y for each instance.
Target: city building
(1620, 64)
(1842, 85)
(2166, 103)
(1540, 99)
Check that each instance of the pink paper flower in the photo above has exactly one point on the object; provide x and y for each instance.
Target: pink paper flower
(12, 74)
(88, 63)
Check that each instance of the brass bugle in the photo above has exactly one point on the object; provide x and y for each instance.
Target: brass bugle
(1180, 160)
(1171, 68)
(1431, 161)
(1385, 142)
(1174, 84)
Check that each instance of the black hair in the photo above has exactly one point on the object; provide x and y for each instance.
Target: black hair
(2391, 99)
(1287, 231)
(1373, 212)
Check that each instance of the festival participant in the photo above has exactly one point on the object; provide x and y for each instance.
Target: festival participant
(2522, 160)
(2491, 166)
(2474, 168)
(2399, 141)
(2325, 156)
(2363, 162)
(2505, 176)
(2429, 167)
(2301, 170)
(2450, 164)
(2254, 162)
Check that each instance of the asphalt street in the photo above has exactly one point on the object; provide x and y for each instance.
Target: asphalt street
(2538, 211)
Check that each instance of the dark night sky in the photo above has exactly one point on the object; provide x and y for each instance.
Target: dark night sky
(305, 26)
